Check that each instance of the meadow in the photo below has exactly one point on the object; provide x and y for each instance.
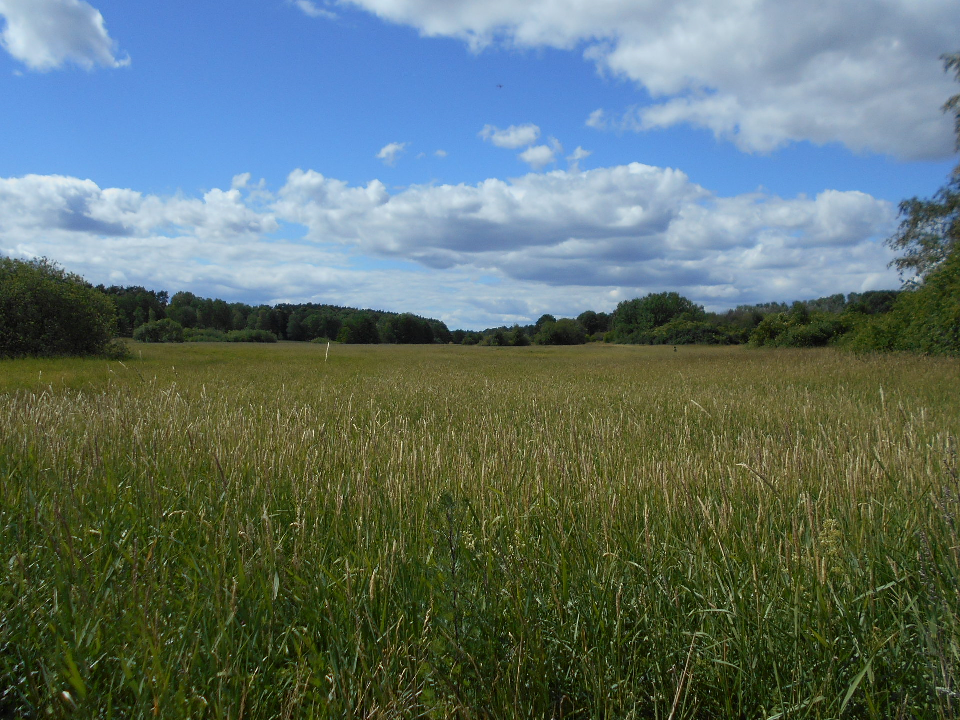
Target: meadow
(250, 531)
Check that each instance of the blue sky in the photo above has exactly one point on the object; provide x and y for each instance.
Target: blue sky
(481, 162)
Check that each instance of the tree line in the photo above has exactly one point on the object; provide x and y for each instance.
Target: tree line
(45, 310)
(147, 315)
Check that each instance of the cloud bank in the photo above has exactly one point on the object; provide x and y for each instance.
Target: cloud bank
(761, 73)
(475, 255)
(46, 34)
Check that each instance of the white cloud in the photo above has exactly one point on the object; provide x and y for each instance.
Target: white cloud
(538, 156)
(513, 137)
(46, 34)
(576, 156)
(597, 119)
(390, 152)
(440, 153)
(476, 255)
(311, 9)
(761, 73)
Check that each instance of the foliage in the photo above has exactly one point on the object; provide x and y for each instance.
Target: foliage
(929, 230)
(203, 335)
(562, 332)
(135, 306)
(47, 311)
(360, 328)
(518, 337)
(406, 329)
(929, 316)
(159, 331)
(634, 320)
(594, 322)
(685, 331)
(496, 338)
(603, 532)
(800, 328)
(256, 336)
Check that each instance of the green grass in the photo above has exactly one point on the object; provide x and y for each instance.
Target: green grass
(227, 530)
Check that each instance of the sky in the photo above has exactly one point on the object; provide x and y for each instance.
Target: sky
(478, 161)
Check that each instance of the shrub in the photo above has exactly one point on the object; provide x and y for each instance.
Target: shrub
(204, 335)
(259, 336)
(159, 331)
(116, 349)
(47, 311)
(930, 315)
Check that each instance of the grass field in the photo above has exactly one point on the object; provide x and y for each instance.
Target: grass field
(247, 531)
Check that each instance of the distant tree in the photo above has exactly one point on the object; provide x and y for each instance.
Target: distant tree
(183, 309)
(441, 333)
(295, 328)
(543, 319)
(634, 320)
(135, 304)
(562, 332)
(405, 329)
(47, 311)
(238, 316)
(496, 337)
(360, 328)
(518, 337)
(872, 302)
(593, 322)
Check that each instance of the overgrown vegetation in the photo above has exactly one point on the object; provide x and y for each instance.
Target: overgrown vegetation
(46, 311)
(605, 531)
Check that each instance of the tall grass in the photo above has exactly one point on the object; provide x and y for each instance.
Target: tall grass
(249, 531)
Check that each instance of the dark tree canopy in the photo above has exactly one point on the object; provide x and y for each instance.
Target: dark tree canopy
(634, 319)
(562, 332)
(47, 311)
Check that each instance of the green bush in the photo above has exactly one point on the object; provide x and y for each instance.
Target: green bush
(159, 331)
(46, 311)
(872, 333)
(800, 328)
(684, 331)
(204, 335)
(930, 315)
(258, 336)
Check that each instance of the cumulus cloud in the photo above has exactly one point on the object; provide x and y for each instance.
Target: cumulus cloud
(440, 153)
(513, 137)
(539, 156)
(760, 73)
(46, 34)
(390, 152)
(476, 255)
